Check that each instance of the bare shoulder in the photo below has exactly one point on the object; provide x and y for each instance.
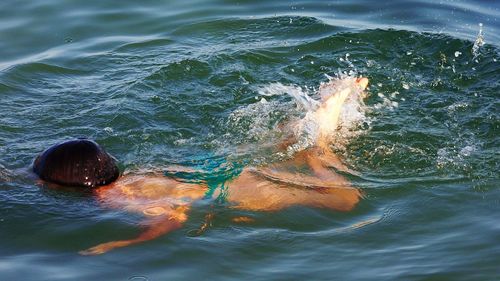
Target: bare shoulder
(149, 189)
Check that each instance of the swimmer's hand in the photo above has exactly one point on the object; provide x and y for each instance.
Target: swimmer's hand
(104, 247)
(362, 82)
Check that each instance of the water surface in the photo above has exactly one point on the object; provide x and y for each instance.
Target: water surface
(182, 82)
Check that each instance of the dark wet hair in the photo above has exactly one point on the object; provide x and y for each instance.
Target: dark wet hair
(79, 162)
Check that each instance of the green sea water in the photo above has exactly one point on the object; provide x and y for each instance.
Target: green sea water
(205, 84)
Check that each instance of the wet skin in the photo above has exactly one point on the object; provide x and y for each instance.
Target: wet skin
(165, 202)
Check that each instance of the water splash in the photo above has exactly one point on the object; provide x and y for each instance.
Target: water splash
(275, 118)
(479, 42)
(455, 157)
(353, 110)
(301, 96)
(255, 122)
(307, 130)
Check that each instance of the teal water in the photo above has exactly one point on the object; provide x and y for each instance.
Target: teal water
(181, 82)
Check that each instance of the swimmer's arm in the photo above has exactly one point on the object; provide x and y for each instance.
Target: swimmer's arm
(318, 167)
(154, 229)
(321, 162)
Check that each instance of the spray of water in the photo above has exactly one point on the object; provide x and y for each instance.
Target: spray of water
(479, 42)
(301, 96)
(295, 121)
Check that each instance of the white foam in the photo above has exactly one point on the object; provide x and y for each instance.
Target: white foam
(301, 96)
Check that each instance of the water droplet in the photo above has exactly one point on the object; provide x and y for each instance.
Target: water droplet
(406, 86)
(409, 53)
(457, 53)
(479, 41)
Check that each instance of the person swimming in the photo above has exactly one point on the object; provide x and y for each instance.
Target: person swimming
(165, 201)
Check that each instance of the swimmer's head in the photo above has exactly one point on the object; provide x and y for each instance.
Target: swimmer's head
(79, 162)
